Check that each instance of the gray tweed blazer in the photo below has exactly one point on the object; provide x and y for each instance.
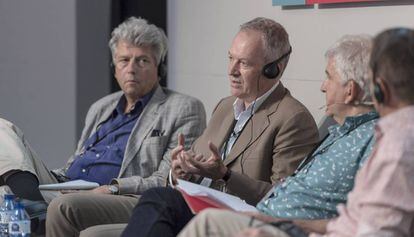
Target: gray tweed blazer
(147, 160)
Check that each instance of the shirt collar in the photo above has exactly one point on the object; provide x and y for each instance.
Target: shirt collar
(352, 122)
(141, 103)
(238, 105)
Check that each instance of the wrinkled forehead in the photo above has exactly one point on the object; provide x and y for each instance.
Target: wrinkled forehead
(124, 47)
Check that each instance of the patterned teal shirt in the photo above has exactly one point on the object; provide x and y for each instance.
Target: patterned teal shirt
(324, 182)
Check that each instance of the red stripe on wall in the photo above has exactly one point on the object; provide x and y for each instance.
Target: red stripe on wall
(336, 1)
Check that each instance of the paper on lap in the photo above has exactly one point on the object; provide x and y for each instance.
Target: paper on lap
(199, 197)
(74, 184)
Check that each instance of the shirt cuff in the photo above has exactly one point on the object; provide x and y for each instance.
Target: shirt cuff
(170, 180)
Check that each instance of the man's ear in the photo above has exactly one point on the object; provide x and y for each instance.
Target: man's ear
(353, 92)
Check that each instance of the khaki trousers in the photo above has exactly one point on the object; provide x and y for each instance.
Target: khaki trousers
(215, 222)
(69, 214)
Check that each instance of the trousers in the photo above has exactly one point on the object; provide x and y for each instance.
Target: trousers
(160, 212)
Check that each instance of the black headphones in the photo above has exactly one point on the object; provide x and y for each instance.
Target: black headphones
(378, 94)
(271, 70)
(112, 68)
(162, 69)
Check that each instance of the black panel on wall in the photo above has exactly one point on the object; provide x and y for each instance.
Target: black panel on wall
(155, 11)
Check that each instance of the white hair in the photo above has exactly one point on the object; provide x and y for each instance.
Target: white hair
(352, 54)
(138, 32)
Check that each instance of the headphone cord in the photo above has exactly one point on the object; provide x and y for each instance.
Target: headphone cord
(251, 127)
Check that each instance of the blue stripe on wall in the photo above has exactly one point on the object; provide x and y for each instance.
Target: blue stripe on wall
(288, 2)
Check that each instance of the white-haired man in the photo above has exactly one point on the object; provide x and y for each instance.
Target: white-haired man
(381, 202)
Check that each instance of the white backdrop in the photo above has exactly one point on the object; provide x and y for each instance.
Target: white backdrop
(200, 33)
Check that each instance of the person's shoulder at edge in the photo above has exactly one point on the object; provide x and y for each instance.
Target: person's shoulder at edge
(6, 125)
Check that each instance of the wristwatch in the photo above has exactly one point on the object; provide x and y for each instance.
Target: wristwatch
(222, 183)
(114, 189)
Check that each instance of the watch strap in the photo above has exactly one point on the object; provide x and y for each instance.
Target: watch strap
(227, 175)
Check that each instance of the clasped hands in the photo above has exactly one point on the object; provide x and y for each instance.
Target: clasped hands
(186, 163)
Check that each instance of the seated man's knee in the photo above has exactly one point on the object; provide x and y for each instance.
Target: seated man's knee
(214, 213)
(62, 204)
(159, 193)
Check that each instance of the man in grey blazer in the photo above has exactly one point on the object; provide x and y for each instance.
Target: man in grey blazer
(128, 136)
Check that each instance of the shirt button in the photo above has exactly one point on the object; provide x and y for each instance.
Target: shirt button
(97, 155)
(83, 170)
(90, 145)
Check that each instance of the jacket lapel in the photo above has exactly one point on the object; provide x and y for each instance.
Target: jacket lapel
(106, 112)
(224, 131)
(257, 124)
(143, 127)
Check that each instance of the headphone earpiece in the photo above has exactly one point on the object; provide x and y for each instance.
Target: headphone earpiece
(112, 68)
(271, 70)
(162, 70)
(378, 94)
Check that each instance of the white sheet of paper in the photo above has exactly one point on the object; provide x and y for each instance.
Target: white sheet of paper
(74, 184)
(232, 201)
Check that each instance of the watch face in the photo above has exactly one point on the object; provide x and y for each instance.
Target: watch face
(113, 189)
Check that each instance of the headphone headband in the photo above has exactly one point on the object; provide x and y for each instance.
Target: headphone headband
(271, 70)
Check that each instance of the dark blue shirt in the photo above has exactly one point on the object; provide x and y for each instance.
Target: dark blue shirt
(104, 151)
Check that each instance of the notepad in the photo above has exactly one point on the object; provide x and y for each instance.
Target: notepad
(199, 197)
(74, 184)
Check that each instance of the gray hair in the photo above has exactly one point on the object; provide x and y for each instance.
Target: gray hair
(392, 60)
(139, 32)
(275, 37)
(352, 54)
